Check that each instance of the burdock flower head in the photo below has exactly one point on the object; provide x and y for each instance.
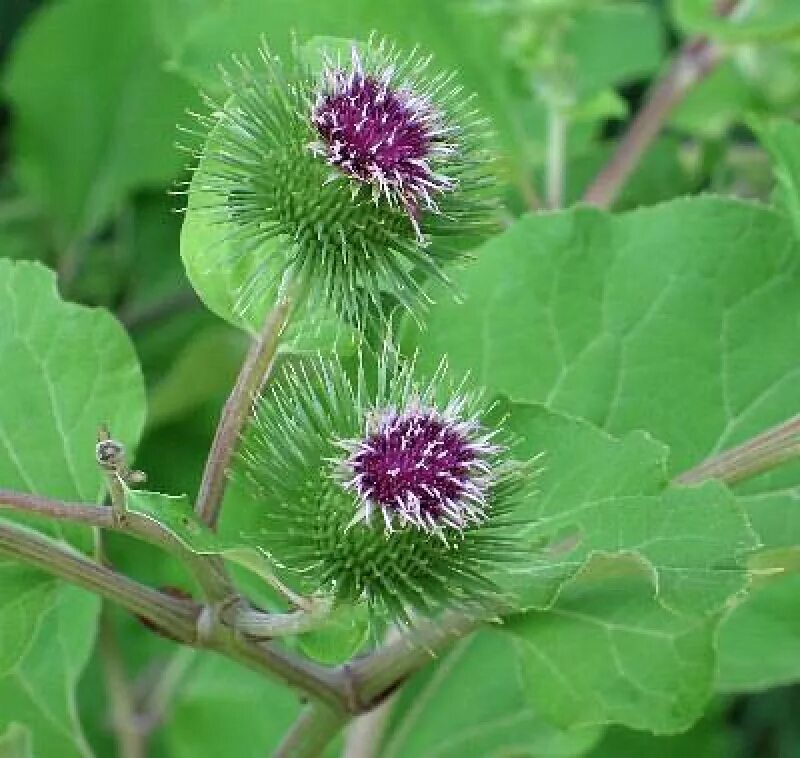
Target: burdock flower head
(390, 492)
(356, 179)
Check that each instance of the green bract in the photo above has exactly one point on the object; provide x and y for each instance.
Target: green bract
(450, 552)
(353, 183)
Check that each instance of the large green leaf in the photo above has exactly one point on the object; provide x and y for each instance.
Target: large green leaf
(38, 693)
(472, 702)
(66, 369)
(671, 319)
(599, 494)
(95, 112)
(759, 643)
(609, 652)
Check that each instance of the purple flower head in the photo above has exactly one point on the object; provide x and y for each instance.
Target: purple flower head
(383, 134)
(422, 467)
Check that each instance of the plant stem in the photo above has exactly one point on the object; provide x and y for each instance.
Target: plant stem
(324, 684)
(209, 575)
(755, 456)
(695, 60)
(377, 675)
(260, 625)
(131, 738)
(556, 156)
(313, 730)
(365, 734)
(253, 374)
(175, 616)
(267, 657)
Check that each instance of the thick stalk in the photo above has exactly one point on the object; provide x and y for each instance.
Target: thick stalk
(175, 616)
(253, 374)
(326, 685)
(755, 456)
(376, 676)
(313, 730)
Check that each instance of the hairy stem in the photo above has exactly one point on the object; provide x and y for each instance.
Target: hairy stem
(313, 730)
(253, 374)
(695, 60)
(174, 616)
(755, 456)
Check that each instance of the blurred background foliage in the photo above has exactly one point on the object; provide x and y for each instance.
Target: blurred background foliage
(92, 92)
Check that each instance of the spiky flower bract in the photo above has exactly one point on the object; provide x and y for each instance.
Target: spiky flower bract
(392, 492)
(355, 182)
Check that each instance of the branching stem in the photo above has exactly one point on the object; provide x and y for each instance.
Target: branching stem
(176, 616)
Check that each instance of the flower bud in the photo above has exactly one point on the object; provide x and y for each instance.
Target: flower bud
(399, 495)
(354, 182)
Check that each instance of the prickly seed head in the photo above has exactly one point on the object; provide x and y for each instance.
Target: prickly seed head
(398, 496)
(356, 182)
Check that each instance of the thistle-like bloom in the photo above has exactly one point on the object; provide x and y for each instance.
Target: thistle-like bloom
(356, 182)
(385, 136)
(423, 467)
(398, 495)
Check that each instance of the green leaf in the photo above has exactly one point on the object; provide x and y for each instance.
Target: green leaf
(176, 515)
(711, 737)
(599, 494)
(762, 21)
(609, 652)
(38, 693)
(222, 708)
(66, 370)
(759, 641)
(722, 99)
(670, 319)
(660, 175)
(25, 594)
(95, 112)
(233, 284)
(472, 702)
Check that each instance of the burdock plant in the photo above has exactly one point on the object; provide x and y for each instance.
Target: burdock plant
(355, 179)
(399, 494)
